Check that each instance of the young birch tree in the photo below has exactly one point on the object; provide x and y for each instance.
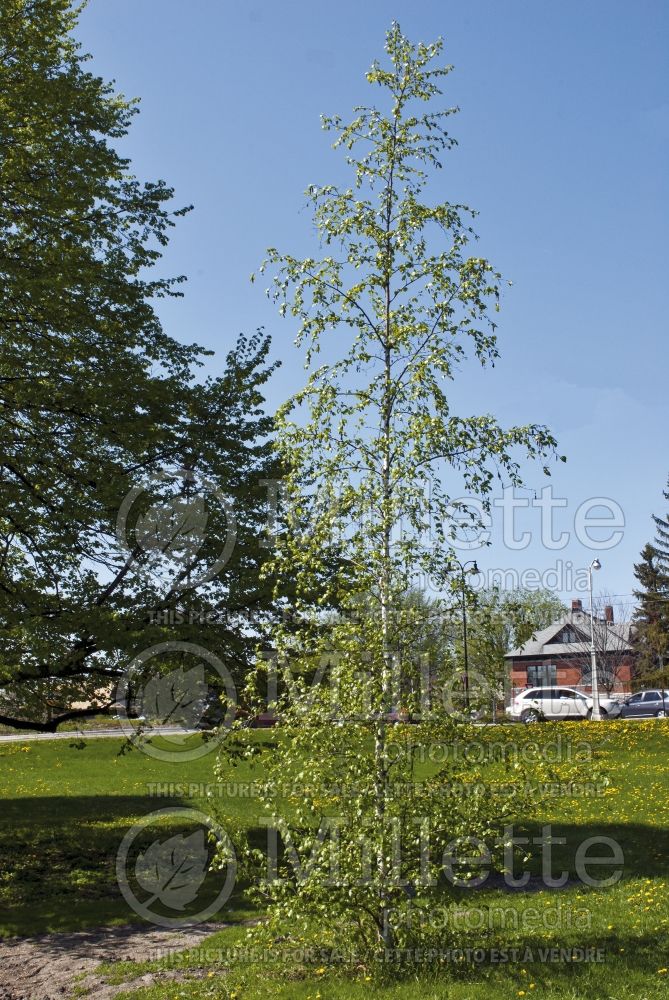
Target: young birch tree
(376, 455)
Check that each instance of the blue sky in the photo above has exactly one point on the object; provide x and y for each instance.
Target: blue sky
(563, 139)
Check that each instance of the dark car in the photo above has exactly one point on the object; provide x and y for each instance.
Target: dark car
(645, 704)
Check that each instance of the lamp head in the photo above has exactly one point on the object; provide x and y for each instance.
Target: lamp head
(595, 564)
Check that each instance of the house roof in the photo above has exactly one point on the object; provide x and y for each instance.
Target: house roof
(609, 637)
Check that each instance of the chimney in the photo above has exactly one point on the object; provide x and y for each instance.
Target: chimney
(576, 605)
(608, 614)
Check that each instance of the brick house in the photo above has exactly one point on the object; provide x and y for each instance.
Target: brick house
(560, 654)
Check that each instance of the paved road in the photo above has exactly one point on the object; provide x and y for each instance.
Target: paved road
(94, 734)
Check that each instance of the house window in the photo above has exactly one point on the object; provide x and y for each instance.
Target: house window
(542, 675)
(566, 635)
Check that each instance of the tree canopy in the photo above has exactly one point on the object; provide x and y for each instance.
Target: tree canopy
(98, 402)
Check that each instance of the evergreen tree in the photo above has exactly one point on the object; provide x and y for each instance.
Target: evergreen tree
(651, 618)
(662, 535)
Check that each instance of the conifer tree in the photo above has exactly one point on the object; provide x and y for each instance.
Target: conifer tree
(651, 618)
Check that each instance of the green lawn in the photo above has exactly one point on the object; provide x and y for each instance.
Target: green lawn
(65, 811)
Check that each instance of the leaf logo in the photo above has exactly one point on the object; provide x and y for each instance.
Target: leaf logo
(174, 870)
(172, 524)
(177, 699)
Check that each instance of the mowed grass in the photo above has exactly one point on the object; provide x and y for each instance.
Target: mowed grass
(65, 811)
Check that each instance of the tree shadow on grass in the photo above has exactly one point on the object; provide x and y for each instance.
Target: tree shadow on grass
(58, 863)
(644, 848)
(583, 964)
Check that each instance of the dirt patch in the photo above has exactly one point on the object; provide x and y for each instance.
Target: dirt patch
(50, 966)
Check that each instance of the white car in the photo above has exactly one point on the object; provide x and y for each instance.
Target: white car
(541, 703)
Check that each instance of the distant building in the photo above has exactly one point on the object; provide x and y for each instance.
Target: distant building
(560, 654)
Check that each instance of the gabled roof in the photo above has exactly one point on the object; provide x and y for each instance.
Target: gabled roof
(609, 637)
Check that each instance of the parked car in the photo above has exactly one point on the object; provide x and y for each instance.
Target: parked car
(541, 703)
(645, 704)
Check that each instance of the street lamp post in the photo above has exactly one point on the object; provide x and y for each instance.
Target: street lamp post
(596, 713)
(463, 597)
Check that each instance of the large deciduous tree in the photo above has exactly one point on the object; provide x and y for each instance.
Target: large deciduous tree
(376, 457)
(96, 400)
(501, 620)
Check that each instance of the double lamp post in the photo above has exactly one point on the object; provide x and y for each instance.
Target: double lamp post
(462, 569)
